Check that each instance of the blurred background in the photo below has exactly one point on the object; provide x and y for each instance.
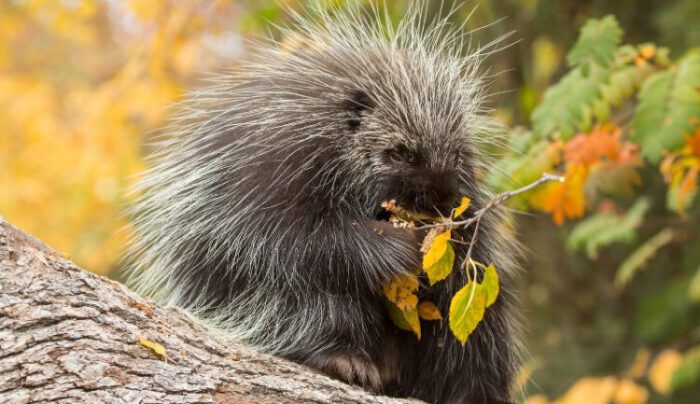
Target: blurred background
(85, 83)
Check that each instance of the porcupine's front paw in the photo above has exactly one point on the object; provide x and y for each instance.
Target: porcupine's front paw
(352, 368)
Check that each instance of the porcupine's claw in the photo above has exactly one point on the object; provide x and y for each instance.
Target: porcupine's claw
(352, 368)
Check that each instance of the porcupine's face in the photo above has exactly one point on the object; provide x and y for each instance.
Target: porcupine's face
(410, 136)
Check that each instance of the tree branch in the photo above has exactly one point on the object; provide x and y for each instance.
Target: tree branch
(66, 334)
(494, 202)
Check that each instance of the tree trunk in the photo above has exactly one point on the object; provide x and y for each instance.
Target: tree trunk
(69, 335)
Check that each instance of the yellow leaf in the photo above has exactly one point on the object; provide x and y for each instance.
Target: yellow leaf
(437, 249)
(429, 311)
(590, 390)
(441, 269)
(157, 348)
(629, 392)
(401, 291)
(463, 206)
(490, 284)
(405, 320)
(639, 366)
(466, 310)
(661, 370)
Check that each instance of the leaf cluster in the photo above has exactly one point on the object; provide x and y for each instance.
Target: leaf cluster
(467, 305)
(623, 127)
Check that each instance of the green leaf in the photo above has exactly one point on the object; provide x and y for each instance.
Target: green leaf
(566, 106)
(603, 229)
(597, 43)
(405, 320)
(520, 169)
(490, 284)
(688, 373)
(641, 256)
(664, 314)
(622, 84)
(466, 310)
(694, 288)
(442, 268)
(669, 104)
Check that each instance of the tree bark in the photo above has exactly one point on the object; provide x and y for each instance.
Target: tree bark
(69, 335)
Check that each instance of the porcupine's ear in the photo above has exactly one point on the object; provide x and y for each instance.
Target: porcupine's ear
(357, 105)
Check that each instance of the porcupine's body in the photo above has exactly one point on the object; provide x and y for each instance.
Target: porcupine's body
(260, 213)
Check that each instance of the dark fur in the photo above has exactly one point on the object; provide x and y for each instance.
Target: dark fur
(313, 205)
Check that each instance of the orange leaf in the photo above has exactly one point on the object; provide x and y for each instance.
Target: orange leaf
(692, 143)
(688, 186)
(429, 311)
(601, 143)
(563, 199)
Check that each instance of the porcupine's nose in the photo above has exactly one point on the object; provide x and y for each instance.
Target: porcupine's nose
(433, 192)
(446, 190)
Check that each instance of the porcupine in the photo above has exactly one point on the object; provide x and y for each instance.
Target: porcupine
(261, 211)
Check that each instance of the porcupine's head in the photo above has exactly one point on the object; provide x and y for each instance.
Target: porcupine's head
(344, 114)
(399, 109)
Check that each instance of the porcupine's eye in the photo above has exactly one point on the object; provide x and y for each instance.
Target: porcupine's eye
(357, 105)
(401, 154)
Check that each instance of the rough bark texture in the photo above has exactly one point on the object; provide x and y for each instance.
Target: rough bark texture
(69, 335)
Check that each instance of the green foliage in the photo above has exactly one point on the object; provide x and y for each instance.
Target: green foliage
(641, 256)
(669, 108)
(694, 287)
(523, 169)
(566, 106)
(466, 311)
(596, 44)
(601, 78)
(623, 126)
(406, 320)
(619, 88)
(688, 373)
(663, 312)
(603, 229)
(470, 303)
(490, 284)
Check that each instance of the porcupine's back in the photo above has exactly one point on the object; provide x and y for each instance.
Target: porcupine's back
(270, 152)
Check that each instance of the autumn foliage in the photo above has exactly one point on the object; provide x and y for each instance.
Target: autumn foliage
(85, 83)
(468, 305)
(82, 83)
(621, 116)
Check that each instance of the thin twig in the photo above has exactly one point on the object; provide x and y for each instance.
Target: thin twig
(495, 201)
(479, 214)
